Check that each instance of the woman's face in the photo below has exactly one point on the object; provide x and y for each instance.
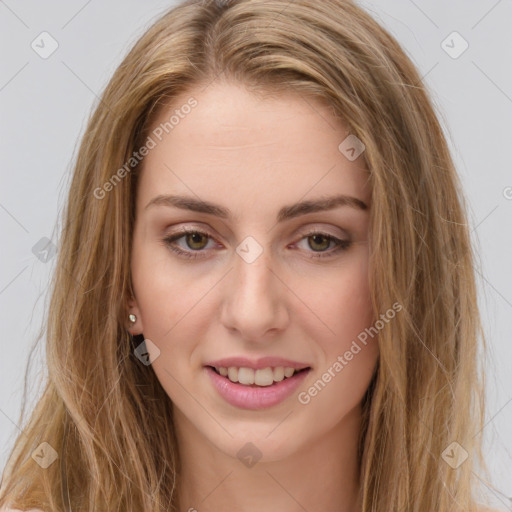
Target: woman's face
(264, 280)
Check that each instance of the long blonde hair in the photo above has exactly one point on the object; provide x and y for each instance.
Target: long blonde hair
(106, 414)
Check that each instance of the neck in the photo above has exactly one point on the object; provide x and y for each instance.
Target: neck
(322, 474)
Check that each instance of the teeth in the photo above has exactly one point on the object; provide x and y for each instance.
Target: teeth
(288, 372)
(262, 377)
(233, 374)
(245, 376)
(278, 374)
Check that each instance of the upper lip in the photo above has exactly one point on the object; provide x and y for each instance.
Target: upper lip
(263, 362)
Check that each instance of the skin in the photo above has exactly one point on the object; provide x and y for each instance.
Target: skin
(255, 156)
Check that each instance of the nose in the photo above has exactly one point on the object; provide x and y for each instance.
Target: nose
(255, 300)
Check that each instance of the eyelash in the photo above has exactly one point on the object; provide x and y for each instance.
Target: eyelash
(169, 241)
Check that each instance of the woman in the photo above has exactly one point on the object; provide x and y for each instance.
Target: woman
(265, 295)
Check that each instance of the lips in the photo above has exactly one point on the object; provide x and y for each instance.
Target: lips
(256, 384)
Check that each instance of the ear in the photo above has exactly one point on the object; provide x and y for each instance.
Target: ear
(134, 328)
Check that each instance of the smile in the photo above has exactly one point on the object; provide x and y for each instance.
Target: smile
(262, 377)
(259, 386)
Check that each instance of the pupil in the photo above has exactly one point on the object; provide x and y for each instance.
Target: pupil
(315, 240)
(196, 238)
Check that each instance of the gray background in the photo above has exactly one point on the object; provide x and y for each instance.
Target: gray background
(45, 102)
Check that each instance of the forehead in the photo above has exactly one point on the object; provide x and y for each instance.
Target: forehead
(231, 141)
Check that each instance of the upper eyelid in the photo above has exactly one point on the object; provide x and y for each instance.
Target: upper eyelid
(300, 231)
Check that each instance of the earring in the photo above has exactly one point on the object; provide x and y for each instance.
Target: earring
(132, 318)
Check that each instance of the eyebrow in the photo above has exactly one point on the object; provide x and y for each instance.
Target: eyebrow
(285, 213)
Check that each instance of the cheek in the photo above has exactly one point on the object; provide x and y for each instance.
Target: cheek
(166, 294)
(176, 310)
(349, 354)
(341, 303)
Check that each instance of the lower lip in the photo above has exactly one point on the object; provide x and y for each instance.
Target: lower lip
(248, 397)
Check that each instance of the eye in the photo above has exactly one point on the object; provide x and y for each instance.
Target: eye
(319, 242)
(196, 241)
